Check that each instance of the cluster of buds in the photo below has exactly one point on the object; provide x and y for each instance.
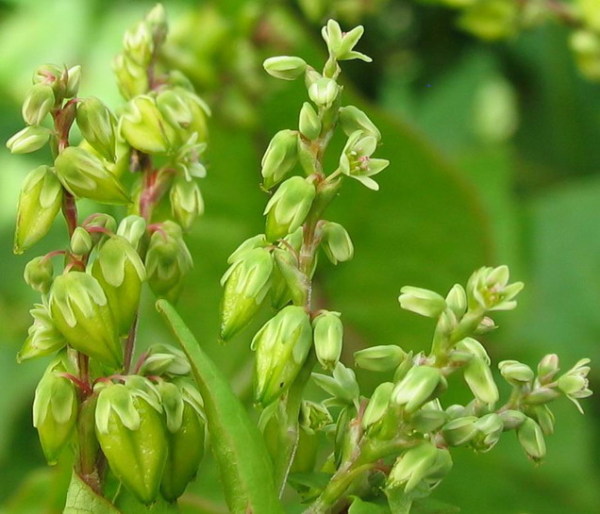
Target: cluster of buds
(501, 19)
(148, 418)
(405, 422)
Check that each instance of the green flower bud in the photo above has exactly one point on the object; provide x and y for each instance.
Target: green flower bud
(328, 337)
(258, 241)
(531, 439)
(380, 358)
(40, 201)
(39, 273)
(548, 368)
(279, 158)
(512, 419)
(81, 242)
(38, 104)
(185, 449)
(353, 119)
(48, 74)
(336, 242)
(98, 126)
(281, 346)
(43, 337)
(285, 67)
(138, 44)
(422, 301)
(286, 264)
(545, 418)
(120, 272)
(132, 79)
(420, 385)
(378, 404)
(164, 359)
(186, 202)
(168, 261)
(324, 92)
(156, 20)
(81, 313)
(460, 431)
(246, 283)
(515, 372)
(54, 411)
(541, 395)
(143, 126)
(132, 228)
(131, 433)
(489, 429)
(479, 378)
(456, 300)
(288, 207)
(429, 418)
(73, 80)
(280, 292)
(341, 45)
(309, 124)
(184, 111)
(84, 175)
(28, 140)
(422, 463)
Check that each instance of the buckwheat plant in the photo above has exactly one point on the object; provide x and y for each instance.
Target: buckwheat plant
(142, 416)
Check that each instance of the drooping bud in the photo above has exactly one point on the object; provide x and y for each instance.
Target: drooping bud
(460, 431)
(280, 157)
(143, 126)
(477, 373)
(429, 418)
(246, 283)
(512, 419)
(328, 337)
(324, 92)
(336, 242)
(131, 433)
(288, 207)
(515, 372)
(420, 385)
(309, 123)
(380, 358)
(422, 301)
(81, 313)
(28, 140)
(531, 439)
(281, 346)
(39, 273)
(353, 119)
(43, 337)
(489, 429)
(84, 175)
(39, 202)
(81, 242)
(120, 272)
(98, 126)
(54, 411)
(168, 261)
(545, 418)
(186, 202)
(285, 67)
(185, 441)
(38, 104)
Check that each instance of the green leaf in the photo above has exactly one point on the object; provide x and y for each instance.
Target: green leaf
(236, 442)
(362, 507)
(81, 499)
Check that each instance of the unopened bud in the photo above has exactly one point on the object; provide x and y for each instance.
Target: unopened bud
(120, 271)
(280, 157)
(43, 337)
(353, 119)
(132, 228)
(81, 242)
(548, 368)
(336, 242)
(81, 313)
(489, 429)
(456, 300)
(420, 385)
(422, 301)
(286, 266)
(378, 404)
(39, 203)
(421, 463)
(531, 439)
(281, 346)
(379, 358)
(515, 372)
(28, 140)
(429, 418)
(38, 104)
(285, 67)
(84, 175)
(309, 124)
(323, 92)
(39, 273)
(512, 419)
(288, 207)
(460, 431)
(98, 126)
(132, 79)
(328, 337)
(186, 202)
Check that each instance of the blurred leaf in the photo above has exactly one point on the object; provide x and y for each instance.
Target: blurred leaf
(82, 500)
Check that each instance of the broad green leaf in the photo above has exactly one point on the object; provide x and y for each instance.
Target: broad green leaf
(236, 442)
(81, 499)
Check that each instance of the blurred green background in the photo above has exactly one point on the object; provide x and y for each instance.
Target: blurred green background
(495, 159)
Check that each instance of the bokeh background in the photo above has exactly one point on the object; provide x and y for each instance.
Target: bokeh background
(495, 158)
